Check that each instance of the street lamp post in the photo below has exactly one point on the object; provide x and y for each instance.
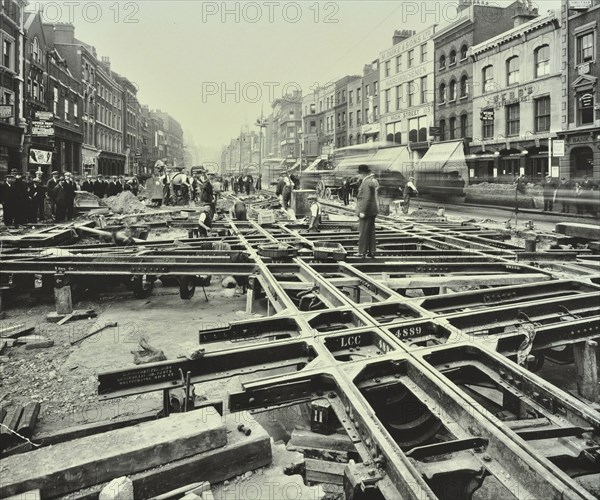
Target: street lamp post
(260, 123)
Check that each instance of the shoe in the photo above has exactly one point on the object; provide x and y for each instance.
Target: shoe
(371, 256)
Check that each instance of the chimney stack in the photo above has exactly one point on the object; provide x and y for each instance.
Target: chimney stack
(401, 35)
(524, 12)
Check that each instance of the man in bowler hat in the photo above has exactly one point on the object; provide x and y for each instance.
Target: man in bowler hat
(367, 208)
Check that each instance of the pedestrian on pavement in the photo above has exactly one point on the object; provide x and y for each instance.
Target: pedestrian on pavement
(88, 184)
(111, 188)
(549, 190)
(22, 200)
(71, 187)
(258, 186)
(100, 187)
(410, 190)
(8, 199)
(521, 184)
(39, 194)
(367, 208)
(345, 191)
(61, 198)
(249, 184)
(50, 185)
(563, 193)
(314, 221)
(579, 197)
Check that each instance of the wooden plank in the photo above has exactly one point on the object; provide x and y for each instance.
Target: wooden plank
(320, 471)
(10, 423)
(28, 419)
(241, 454)
(49, 437)
(74, 465)
(306, 439)
(16, 330)
(577, 230)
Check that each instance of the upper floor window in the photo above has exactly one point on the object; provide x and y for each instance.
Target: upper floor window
(7, 51)
(453, 57)
(398, 63)
(512, 70)
(585, 48)
(464, 125)
(375, 88)
(585, 108)
(35, 50)
(387, 67)
(442, 93)
(442, 130)
(542, 61)
(442, 62)
(464, 90)
(452, 128)
(513, 119)
(542, 114)
(487, 78)
(452, 91)
(424, 52)
(463, 52)
(411, 58)
(423, 90)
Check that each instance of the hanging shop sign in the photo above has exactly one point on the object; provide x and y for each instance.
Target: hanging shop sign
(40, 157)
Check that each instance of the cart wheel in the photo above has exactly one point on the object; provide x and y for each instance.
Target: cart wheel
(320, 189)
(327, 194)
(142, 286)
(187, 287)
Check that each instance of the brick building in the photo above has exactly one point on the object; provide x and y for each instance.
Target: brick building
(341, 109)
(12, 125)
(371, 128)
(517, 84)
(453, 75)
(580, 122)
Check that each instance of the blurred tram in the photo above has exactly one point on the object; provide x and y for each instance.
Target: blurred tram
(441, 173)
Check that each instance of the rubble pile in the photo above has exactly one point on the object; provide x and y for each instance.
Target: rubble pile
(125, 203)
(85, 199)
(424, 214)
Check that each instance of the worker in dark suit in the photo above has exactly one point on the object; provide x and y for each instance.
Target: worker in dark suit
(62, 196)
(100, 186)
(367, 208)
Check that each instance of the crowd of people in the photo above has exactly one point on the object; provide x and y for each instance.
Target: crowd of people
(26, 199)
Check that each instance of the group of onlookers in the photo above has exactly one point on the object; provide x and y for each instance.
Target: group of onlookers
(243, 184)
(26, 199)
(577, 197)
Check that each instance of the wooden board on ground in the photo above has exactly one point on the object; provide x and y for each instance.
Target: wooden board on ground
(576, 230)
(15, 331)
(54, 317)
(74, 465)
(241, 454)
(320, 471)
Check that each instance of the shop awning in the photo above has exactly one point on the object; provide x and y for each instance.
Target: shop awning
(446, 158)
(396, 159)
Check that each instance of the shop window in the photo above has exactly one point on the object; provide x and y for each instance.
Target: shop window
(582, 162)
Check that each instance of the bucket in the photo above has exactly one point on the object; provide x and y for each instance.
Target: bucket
(441, 212)
(530, 244)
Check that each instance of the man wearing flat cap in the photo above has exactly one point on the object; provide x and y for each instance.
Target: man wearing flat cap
(367, 208)
(50, 185)
(314, 221)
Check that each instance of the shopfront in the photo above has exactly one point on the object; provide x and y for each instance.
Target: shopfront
(10, 148)
(582, 154)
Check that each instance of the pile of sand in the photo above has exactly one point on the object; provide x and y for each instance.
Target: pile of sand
(125, 203)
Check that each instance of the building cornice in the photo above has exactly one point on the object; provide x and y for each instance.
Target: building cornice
(514, 34)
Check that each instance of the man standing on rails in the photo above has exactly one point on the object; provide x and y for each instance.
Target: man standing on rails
(367, 210)
(410, 190)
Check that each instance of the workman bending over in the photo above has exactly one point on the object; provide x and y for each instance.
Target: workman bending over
(314, 222)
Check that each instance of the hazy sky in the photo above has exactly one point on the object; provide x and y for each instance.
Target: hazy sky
(211, 65)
